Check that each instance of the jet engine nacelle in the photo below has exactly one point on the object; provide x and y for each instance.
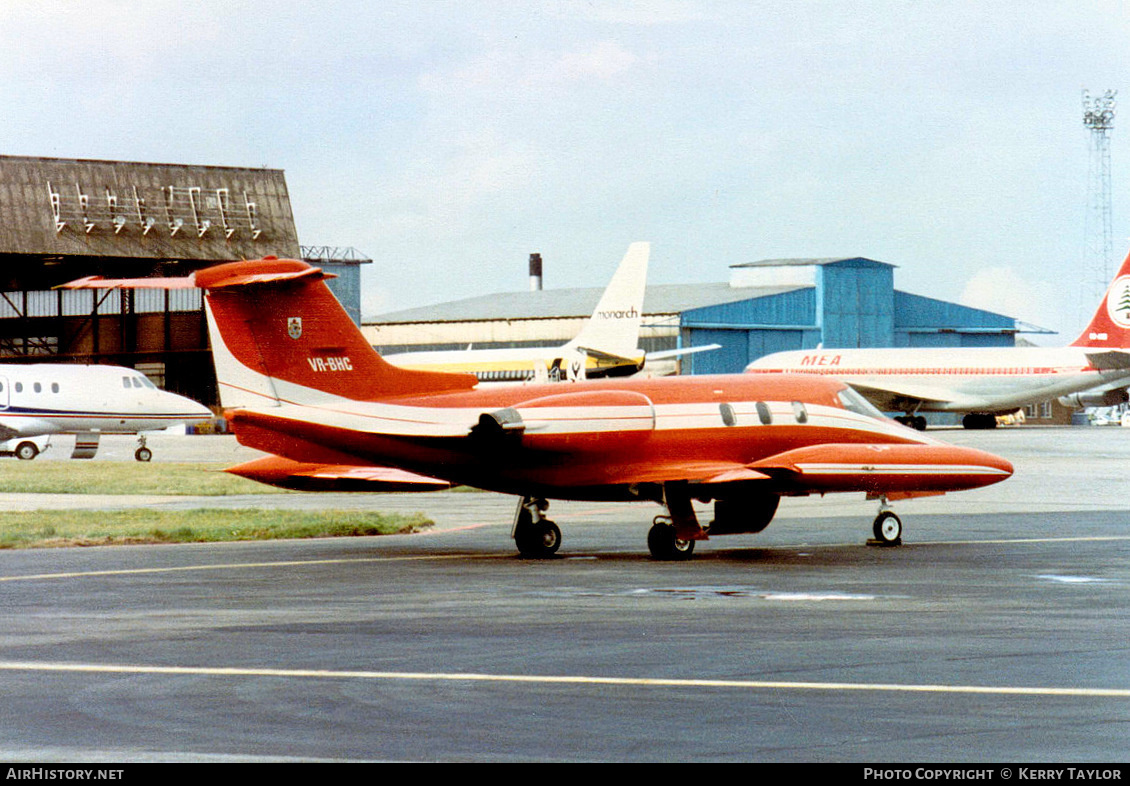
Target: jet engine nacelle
(1107, 398)
(586, 419)
(743, 514)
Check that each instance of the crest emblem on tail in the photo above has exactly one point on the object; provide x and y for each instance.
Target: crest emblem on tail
(1118, 302)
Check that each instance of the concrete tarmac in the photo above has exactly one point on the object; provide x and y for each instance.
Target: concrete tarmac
(996, 633)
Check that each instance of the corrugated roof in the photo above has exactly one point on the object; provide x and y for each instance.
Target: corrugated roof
(569, 303)
(807, 261)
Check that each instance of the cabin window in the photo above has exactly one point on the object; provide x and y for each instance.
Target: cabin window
(19, 387)
(54, 387)
(38, 388)
(764, 414)
(728, 415)
(799, 412)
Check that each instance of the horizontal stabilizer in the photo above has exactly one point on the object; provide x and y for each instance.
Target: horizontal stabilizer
(309, 476)
(269, 270)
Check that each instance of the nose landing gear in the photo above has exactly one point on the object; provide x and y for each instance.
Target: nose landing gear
(535, 536)
(887, 527)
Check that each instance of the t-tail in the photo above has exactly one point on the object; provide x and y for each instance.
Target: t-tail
(280, 336)
(1110, 326)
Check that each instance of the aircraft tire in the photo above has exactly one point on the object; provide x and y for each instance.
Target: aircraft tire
(919, 423)
(143, 454)
(538, 540)
(663, 544)
(26, 451)
(887, 529)
(977, 421)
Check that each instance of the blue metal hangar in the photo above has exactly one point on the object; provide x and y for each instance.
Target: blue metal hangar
(767, 306)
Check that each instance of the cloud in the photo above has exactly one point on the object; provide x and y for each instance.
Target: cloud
(1003, 290)
(507, 72)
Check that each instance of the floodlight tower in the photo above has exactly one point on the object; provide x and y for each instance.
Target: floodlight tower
(1098, 116)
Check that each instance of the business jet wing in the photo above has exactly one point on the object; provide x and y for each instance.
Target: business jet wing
(896, 471)
(891, 470)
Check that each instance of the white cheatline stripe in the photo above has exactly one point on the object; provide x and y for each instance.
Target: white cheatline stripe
(551, 679)
(899, 469)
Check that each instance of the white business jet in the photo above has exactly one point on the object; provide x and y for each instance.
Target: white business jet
(87, 401)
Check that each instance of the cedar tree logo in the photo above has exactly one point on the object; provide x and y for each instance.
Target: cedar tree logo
(1118, 302)
(294, 327)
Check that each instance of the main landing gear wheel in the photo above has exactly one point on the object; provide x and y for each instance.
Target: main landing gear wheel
(142, 453)
(26, 451)
(887, 529)
(663, 543)
(916, 422)
(538, 540)
(978, 421)
(536, 537)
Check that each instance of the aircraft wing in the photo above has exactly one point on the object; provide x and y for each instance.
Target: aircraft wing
(311, 476)
(902, 396)
(1112, 360)
(663, 354)
(892, 470)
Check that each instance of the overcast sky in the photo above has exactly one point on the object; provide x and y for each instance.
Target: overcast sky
(448, 140)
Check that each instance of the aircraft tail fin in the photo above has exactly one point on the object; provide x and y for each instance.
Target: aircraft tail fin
(614, 327)
(1110, 326)
(279, 335)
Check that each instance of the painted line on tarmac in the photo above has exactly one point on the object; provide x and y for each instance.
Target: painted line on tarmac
(431, 557)
(246, 565)
(409, 676)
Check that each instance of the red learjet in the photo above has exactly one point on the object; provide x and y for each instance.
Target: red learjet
(299, 381)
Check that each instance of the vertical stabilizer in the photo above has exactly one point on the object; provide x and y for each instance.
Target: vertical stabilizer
(1110, 326)
(279, 334)
(614, 327)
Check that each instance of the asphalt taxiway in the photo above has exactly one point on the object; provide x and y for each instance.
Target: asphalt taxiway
(997, 632)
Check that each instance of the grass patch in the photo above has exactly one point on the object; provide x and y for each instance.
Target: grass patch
(52, 528)
(125, 477)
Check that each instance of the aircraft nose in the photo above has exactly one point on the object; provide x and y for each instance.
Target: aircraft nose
(999, 466)
(194, 409)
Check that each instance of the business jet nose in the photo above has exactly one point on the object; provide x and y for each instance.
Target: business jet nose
(189, 410)
(989, 467)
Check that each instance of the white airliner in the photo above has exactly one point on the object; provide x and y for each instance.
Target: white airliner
(87, 401)
(983, 382)
(607, 346)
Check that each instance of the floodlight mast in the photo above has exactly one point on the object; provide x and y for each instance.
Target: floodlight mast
(1098, 116)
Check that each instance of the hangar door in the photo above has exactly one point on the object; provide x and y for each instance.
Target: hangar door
(739, 348)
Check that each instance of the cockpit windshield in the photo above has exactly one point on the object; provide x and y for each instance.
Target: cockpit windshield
(853, 402)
